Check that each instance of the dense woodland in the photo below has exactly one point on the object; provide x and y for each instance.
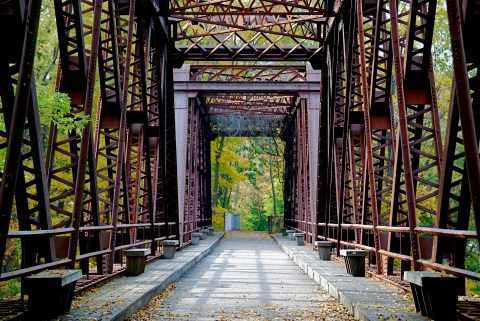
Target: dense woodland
(247, 179)
(247, 172)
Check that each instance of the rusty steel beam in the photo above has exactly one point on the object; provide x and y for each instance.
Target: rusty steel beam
(365, 17)
(324, 143)
(246, 51)
(305, 225)
(192, 218)
(248, 73)
(422, 123)
(295, 133)
(85, 210)
(235, 7)
(199, 212)
(138, 98)
(373, 190)
(239, 104)
(72, 154)
(381, 163)
(89, 186)
(300, 28)
(342, 120)
(382, 133)
(155, 102)
(290, 175)
(245, 87)
(20, 112)
(405, 149)
(204, 142)
(112, 122)
(31, 196)
(355, 139)
(169, 143)
(230, 30)
(459, 173)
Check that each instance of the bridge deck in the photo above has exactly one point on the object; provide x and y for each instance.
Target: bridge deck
(124, 296)
(247, 276)
(366, 298)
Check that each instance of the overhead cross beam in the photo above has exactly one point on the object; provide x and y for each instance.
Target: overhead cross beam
(247, 99)
(248, 73)
(245, 114)
(257, 7)
(252, 31)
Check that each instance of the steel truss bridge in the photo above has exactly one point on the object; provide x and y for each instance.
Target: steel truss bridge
(348, 85)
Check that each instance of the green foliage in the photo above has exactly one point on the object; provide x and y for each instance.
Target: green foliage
(268, 201)
(245, 185)
(256, 218)
(442, 62)
(472, 263)
(46, 54)
(426, 219)
(218, 221)
(55, 107)
(441, 47)
(9, 287)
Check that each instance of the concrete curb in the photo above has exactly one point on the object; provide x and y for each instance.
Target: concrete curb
(366, 299)
(123, 297)
(147, 297)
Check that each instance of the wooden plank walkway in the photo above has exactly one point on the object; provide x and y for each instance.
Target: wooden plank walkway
(246, 277)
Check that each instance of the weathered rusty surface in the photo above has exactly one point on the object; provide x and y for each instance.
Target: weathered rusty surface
(404, 164)
(126, 180)
(107, 179)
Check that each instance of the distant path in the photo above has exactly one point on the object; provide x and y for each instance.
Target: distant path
(246, 277)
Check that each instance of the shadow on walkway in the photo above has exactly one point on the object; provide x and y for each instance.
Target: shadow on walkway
(246, 277)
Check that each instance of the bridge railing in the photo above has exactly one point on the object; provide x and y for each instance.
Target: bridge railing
(426, 235)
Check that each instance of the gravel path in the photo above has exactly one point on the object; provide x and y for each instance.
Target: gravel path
(247, 277)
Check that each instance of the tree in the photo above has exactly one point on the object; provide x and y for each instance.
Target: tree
(246, 174)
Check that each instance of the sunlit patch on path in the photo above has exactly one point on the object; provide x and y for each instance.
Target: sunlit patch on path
(247, 277)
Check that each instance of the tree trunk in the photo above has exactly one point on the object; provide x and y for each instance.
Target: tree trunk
(272, 183)
(46, 74)
(216, 190)
(225, 197)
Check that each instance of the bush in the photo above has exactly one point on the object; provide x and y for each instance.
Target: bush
(9, 287)
(218, 221)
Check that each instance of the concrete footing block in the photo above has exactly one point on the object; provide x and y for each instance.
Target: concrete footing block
(204, 231)
(435, 295)
(169, 248)
(355, 261)
(136, 260)
(290, 234)
(324, 250)
(300, 238)
(44, 286)
(196, 238)
(210, 230)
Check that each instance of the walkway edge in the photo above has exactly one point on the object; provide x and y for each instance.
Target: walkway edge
(143, 300)
(138, 291)
(360, 310)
